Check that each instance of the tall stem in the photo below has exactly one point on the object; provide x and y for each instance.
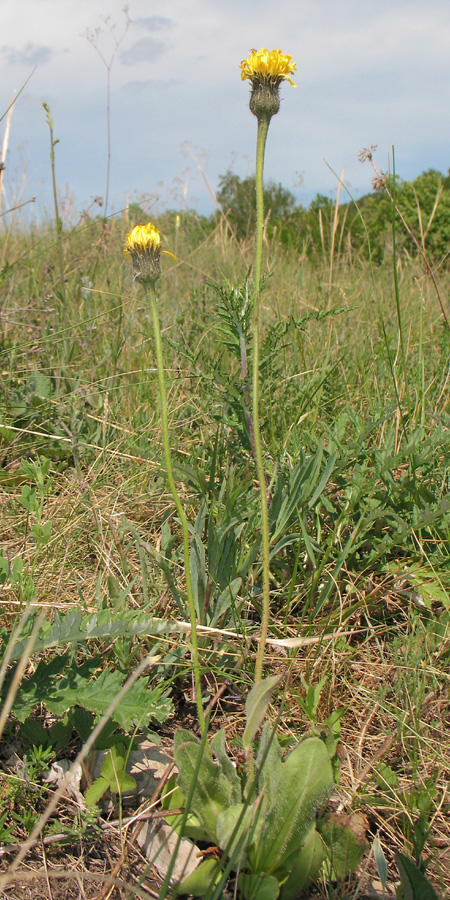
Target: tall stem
(263, 127)
(108, 135)
(182, 516)
(58, 220)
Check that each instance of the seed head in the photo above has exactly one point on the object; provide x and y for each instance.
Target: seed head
(367, 153)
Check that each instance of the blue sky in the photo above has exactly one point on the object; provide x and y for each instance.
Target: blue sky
(372, 72)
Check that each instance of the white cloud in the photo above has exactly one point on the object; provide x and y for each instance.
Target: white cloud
(29, 55)
(372, 72)
(142, 51)
(153, 23)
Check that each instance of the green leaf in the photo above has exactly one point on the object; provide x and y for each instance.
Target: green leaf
(95, 792)
(380, 861)
(75, 627)
(39, 686)
(217, 745)
(345, 838)
(138, 705)
(82, 721)
(113, 776)
(304, 866)
(312, 697)
(259, 887)
(305, 782)
(212, 791)
(237, 828)
(43, 384)
(61, 734)
(256, 707)
(172, 797)
(35, 733)
(414, 884)
(28, 498)
(201, 880)
(16, 571)
(197, 561)
(114, 762)
(268, 762)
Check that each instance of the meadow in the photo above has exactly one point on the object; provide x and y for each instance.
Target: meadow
(354, 370)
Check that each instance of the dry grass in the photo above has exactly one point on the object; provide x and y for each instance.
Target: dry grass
(384, 664)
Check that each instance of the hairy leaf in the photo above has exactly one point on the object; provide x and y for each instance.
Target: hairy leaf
(305, 782)
(212, 791)
(256, 707)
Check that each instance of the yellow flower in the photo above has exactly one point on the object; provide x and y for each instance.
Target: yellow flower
(268, 66)
(143, 244)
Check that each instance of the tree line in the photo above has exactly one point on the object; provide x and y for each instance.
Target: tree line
(364, 227)
(417, 212)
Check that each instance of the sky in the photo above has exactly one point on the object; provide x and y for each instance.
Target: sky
(368, 73)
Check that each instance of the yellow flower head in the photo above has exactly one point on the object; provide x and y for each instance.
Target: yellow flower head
(268, 67)
(143, 244)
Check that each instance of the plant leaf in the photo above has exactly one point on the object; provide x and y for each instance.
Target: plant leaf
(212, 792)
(217, 744)
(345, 838)
(237, 828)
(201, 880)
(380, 861)
(268, 762)
(256, 707)
(414, 884)
(95, 792)
(305, 782)
(259, 887)
(304, 866)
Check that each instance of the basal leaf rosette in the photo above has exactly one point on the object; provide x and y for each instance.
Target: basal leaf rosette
(144, 246)
(266, 70)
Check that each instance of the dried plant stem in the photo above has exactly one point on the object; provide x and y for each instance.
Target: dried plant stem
(58, 219)
(263, 127)
(151, 294)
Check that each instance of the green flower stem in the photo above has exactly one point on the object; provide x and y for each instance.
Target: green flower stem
(263, 127)
(151, 293)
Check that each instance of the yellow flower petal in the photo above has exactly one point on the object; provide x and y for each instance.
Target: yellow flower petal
(268, 66)
(142, 239)
(143, 244)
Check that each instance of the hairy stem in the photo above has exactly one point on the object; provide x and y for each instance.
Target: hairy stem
(263, 126)
(182, 516)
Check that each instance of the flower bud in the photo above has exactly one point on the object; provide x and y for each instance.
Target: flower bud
(143, 244)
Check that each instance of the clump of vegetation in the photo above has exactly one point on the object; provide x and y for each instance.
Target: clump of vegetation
(357, 229)
(276, 579)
